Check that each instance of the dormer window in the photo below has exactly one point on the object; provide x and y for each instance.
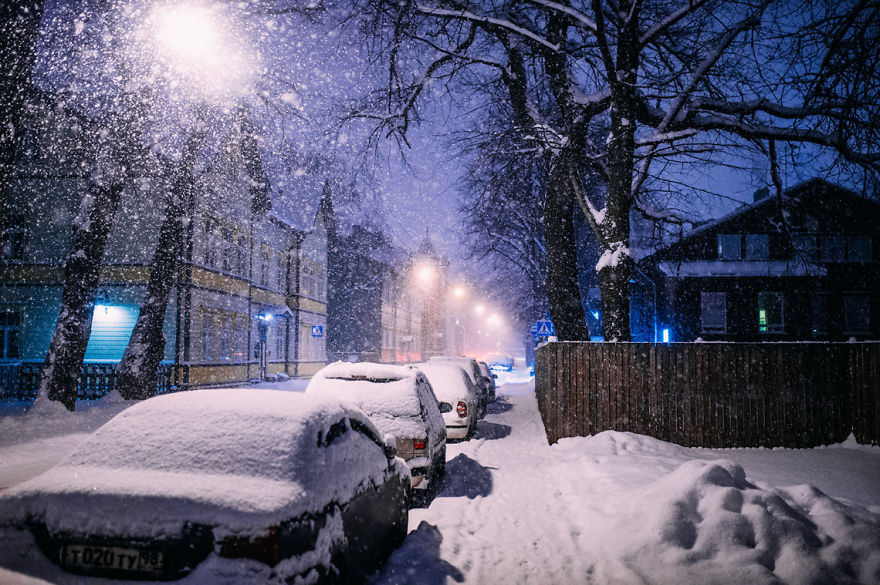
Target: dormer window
(729, 247)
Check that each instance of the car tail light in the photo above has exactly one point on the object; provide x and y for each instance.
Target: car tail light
(461, 409)
(419, 444)
(263, 548)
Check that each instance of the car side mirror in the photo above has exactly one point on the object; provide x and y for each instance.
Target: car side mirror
(390, 446)
(445, 407)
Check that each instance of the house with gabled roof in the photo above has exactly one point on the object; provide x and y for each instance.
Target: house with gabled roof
(800, 267)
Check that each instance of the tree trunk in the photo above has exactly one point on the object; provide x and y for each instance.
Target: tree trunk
(19, 25)
(563, 293)
(61, 370)
(137, 373)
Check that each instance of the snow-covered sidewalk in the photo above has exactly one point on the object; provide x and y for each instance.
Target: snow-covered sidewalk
(624, 508)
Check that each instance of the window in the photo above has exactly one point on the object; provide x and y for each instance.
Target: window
(857, 312)
(226, 324)
(240, 352)
(305, 342)
(241, 256)
(265, 256)
(307, 280)
(833, 249)
(770, 312)
(10, 334)
(281, 272)
(13, 241)
(729, 247)
(757, 247)
(713, 309)
(210, 243)
(858, 248)
(820, 314)
(228, 250)
(208, 335)
(279, 342)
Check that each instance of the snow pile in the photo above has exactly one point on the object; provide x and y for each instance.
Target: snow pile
(387, 393)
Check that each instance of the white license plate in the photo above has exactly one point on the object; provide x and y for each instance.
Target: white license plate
(112, 558)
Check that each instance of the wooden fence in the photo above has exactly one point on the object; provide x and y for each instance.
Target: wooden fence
(712, 394)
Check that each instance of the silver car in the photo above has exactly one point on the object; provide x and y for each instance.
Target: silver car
(400, 402)
(452, 384)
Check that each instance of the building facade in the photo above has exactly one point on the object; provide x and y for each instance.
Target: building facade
(807, 270)
(250, 295)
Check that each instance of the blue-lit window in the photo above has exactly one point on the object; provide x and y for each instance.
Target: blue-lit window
(10, 334)
(111, 329)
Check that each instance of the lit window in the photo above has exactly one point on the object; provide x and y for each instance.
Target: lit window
(713, 309)
(729, 247)
(857, 312)
(757, 247)
(279, 342)
(770, 312)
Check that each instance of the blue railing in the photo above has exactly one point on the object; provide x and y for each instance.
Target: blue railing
(19, 380)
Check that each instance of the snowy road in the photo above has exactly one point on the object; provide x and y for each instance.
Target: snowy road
(615, 508)
(622, 508)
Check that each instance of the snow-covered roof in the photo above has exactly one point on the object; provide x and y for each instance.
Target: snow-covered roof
(745, 268)
(241, 458)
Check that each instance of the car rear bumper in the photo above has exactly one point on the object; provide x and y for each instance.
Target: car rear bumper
(456, 432)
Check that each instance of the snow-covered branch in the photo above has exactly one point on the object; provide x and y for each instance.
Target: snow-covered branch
(673, 17)
(488, 20)
(576, 15)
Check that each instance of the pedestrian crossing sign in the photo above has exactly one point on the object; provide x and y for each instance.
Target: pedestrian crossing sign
(545, 328)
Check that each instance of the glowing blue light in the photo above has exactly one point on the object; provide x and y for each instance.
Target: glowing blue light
(595, 314)
(666, 336)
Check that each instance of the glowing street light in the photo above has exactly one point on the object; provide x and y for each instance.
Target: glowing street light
(197, 43)
(479, 309)
(459, 292)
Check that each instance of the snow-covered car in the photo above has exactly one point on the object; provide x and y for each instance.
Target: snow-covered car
(451, 384)
(470, 366)
(500, 362)
(490, 379)
(401, 402)
(214, 486)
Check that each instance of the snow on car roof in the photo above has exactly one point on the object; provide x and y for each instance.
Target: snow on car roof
(466, 363)
(387, 393)
(244, 455)
(449, 380)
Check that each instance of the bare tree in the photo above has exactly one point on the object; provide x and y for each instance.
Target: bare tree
(670, 83)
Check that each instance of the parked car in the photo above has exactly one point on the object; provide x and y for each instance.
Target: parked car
(214, 486)
(451, 384)
(490, 379)
(470, 366)
(401, 402)
(500, 362)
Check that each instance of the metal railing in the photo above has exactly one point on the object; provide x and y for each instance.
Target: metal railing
(19, 380)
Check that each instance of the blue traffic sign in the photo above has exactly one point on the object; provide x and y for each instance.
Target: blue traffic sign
(544, 328)
(317, 331)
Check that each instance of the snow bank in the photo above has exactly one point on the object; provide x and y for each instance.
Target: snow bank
(690, 520)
